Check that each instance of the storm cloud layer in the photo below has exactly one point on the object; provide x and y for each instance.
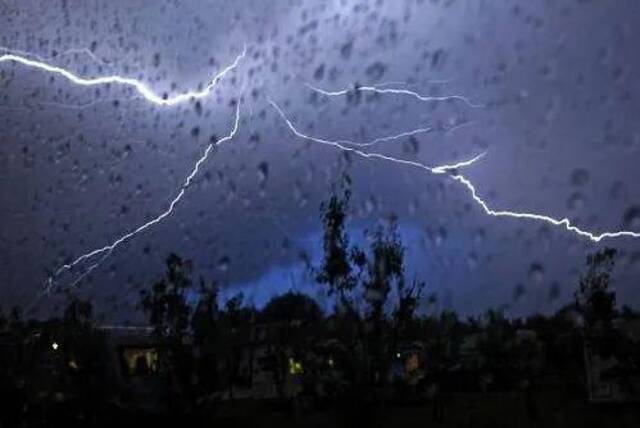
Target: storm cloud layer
(81, 166)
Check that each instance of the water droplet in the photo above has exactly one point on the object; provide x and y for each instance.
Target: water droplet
(518, 292)
(263, 172)
(576, 201)
(223, 263)
(632, 217)
(536, 273)
(580, 177)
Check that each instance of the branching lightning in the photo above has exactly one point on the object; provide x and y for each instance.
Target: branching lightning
(143, 91)
(442, 169)
(388, 138)
(108, 249)
(417, 131)
(139, 86)
(395, 91)
(450, 170)
(149, 95)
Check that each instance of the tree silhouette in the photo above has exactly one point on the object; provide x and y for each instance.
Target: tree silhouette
(204, 322)
(337, 270)
(385, 269)
(83, 353)
(292, 307)
(169, 315)
(294, 318)
(404, 314)
(205, 326)
(596, 301)
(235, 331)
(494, 345)
(165, 304)
(377, 273)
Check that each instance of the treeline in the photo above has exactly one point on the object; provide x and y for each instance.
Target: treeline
(374, 324)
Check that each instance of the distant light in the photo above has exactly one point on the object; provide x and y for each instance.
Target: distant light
(54, 345)
(295, 367)
(398, 355)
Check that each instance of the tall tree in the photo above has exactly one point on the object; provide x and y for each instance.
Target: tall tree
(169, 314)
(166, 303)
(235, 332)
(294, 319)
(205, 325)
(338, 268)
(385, 269)
(204, 321)
(385, 276)
(404, 314)
(596, 300)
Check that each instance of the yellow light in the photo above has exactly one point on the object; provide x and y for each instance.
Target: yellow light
(295, 367)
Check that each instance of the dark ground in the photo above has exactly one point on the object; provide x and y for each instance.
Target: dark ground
(460, 410)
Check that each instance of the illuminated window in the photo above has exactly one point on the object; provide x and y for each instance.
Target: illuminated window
(295, 367)
(140, 361)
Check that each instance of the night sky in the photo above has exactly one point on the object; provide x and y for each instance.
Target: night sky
(553, 95)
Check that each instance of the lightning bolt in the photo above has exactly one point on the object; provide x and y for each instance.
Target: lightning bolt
(108, 249)
(417, 131)
(139, 86)
(84, 51)
(442, 169)
(395, 91)
(388, 138)
(451, 171)
(565, 222)
(356, 148)
(149, 95)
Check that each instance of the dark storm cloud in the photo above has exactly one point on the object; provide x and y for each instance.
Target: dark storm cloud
(558, 80)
